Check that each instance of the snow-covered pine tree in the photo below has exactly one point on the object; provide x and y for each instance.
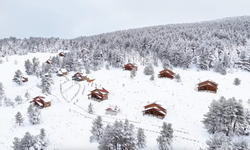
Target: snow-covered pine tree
(128, 140)
(36, 67)
(219, 142)
(19, 99)
(90, 108)
(18, 77)
(34, 114)
(27, 142)
(241, 144)
(105, 142)
(166, 137)
(97, 128)
(148, 70)
(46, 81)
(16, 144)
(28, 67)
(19, 118)
(41, 140)
(141, 138)
(152, 77)
(8, 102)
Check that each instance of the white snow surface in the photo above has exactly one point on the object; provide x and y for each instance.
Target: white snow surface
(68, 124)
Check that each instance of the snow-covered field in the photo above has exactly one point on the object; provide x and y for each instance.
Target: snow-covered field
(68, 124)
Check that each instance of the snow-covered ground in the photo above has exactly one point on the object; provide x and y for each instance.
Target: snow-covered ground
(68, 124)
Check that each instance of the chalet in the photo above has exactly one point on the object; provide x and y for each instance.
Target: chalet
(61, 72)
(154, 110)
(112, 110)
(207, 86)
(100, 94)
(130, 66)
(48, 61)
(84, 49)
(78, 76)
(62, 54)
(166, 73)
(25, 79)
(41, 102)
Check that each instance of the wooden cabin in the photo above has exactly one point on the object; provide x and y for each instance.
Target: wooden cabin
(99, 94)
(130, 66)
(62, 72)
(83, 50)
(207, 86)
(62, 54)
(41, 102)
(78, 76)
(154, 110)
(25, 79)
(112, 110)
(48, 61)
(166, 73)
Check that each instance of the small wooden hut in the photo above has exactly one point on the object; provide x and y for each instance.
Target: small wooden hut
(166, 73)
(62, 72)
(99, 94)
(130, 66)
(62, 54)
(78, 76)
(155, 110)
(112, 110)
(25, 79)
(207, 85)
(41, 102)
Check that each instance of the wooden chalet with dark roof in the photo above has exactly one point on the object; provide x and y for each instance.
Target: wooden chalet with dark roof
(130, 66)
(62, 72)
(25, 79)
(155, 110)
(78, 76)
(166, 73)
(48, 61)
(62, 54)
(99, 94)
(41, 102)
(207, 86)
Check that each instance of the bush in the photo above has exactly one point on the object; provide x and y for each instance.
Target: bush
(237, 81)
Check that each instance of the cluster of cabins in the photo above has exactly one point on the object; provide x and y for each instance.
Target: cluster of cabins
(152, 109)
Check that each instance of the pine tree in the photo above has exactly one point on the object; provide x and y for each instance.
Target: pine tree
(152, 78)
(18, 77)
(34, 114)
(97, 128)
(19, 118)
(27, 142)
(2, 93)
(41, 140)
(166, 137)
(8, 102)
(46, 82)
(141, 138)
(105, 143)
(36, 67)
(177, 77)
(90, 108)
(128, 140)
(28, 67)
(19, 99)
(219, 142)
(16, 144)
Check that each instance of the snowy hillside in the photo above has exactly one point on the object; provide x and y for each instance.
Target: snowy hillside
(68, 124)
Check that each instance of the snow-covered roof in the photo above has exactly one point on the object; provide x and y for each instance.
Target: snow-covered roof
(156, 108)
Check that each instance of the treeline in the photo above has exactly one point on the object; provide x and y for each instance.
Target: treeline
(218, 44)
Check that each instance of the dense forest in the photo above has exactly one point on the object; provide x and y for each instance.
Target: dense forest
(218, 44)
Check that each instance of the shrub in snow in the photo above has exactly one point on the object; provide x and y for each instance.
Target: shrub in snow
(19, 99)
(27, 95)
(2, 92)
(8, 102)
(219, 141)
(97, 128)
(132, 73)
(177, 77)
(19, 118)
(34, 114)
(166, 137)
(148, 70)
(237, 81)
(152, 78)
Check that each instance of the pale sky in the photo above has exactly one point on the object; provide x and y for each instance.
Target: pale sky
(73, 18)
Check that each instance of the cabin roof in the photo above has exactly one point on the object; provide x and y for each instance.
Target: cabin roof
(208, 82)
(167, 71)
